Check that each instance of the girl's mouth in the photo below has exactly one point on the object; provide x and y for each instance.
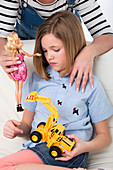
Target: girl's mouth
(52, 64)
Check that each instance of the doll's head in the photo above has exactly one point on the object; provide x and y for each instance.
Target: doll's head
(13, 44)
(65, 26)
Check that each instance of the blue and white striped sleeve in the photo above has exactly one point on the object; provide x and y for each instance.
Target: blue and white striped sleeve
(92, 16)
(8, 15)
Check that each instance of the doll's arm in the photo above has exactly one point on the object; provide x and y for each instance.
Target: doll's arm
(29, 55)
(101, 140)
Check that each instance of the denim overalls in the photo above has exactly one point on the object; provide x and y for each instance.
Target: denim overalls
(31, 20)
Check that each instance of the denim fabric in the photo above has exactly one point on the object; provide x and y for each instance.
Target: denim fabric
(30, 21)
(43, 152)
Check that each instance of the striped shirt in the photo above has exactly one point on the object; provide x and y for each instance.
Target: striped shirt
(89, 11)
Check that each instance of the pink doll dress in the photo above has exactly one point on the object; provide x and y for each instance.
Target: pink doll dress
(21, 73)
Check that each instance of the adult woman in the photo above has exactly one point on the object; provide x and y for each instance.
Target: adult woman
(92, 16)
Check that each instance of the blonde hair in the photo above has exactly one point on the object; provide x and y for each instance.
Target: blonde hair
(13, 44)
(65, 26)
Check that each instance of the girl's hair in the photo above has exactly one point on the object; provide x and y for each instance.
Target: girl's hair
(65, 26)
(13, 44)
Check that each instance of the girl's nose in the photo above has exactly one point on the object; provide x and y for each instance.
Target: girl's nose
(50, 56)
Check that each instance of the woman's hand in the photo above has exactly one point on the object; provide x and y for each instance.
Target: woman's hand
(6, 61)
(11, 130)
(83, 68)
(80, 147)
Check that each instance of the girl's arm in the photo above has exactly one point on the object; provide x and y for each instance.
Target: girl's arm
(14, 128)
(101, 140)
(26, 123)
(29, 55)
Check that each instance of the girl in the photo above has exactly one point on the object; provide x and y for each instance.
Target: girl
(14, 48)
(60, 39)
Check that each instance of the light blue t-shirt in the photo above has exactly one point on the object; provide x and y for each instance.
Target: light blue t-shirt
(76, 109)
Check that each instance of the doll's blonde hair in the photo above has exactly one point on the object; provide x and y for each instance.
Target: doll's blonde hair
(13, 44)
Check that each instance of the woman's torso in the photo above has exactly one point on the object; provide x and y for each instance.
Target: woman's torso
(87, 10)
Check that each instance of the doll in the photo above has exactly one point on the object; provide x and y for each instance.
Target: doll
(14, 48)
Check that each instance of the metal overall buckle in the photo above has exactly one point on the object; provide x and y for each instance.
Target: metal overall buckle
(71, 4)
(25, 3)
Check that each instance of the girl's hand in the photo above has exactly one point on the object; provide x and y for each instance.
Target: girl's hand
(80, 147)
(83, 68)
(11, 130)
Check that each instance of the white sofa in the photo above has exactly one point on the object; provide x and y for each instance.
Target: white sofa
(103, 69)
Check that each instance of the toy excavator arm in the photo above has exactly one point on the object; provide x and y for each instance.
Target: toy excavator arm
(33, 96)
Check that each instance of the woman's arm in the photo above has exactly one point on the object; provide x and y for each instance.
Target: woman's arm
(84, 62)
(99, 28)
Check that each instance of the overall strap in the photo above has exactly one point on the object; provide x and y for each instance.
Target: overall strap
(70, 3)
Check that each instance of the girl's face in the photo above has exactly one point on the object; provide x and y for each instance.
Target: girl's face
(54, 52)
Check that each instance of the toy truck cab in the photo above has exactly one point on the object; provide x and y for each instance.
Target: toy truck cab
(59, 141)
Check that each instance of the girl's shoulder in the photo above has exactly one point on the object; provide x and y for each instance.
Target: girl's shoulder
(35, 76)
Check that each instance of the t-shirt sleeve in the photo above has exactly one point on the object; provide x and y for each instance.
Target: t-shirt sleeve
(28, 87)
(92, 16)
(8, 16)
(99, 105)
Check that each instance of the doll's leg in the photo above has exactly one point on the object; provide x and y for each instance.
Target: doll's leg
(22, 157)
(20, 91)
(17, 91)
(19, 106)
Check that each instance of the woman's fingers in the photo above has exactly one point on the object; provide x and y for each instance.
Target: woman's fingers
(81, 79)
(7, 61)
(84, 81)
(9, 69)
(78, 80)
(91, 79)
(72, 76)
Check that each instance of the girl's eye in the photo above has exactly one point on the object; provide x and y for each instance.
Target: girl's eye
(44, 51)
(56, 50)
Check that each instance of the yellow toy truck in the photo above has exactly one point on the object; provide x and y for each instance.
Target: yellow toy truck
(50, 132)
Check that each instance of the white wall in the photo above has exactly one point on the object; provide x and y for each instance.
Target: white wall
(107, 9)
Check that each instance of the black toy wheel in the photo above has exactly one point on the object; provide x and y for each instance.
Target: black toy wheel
(35, 137)
(41, 124)
(55, 151)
